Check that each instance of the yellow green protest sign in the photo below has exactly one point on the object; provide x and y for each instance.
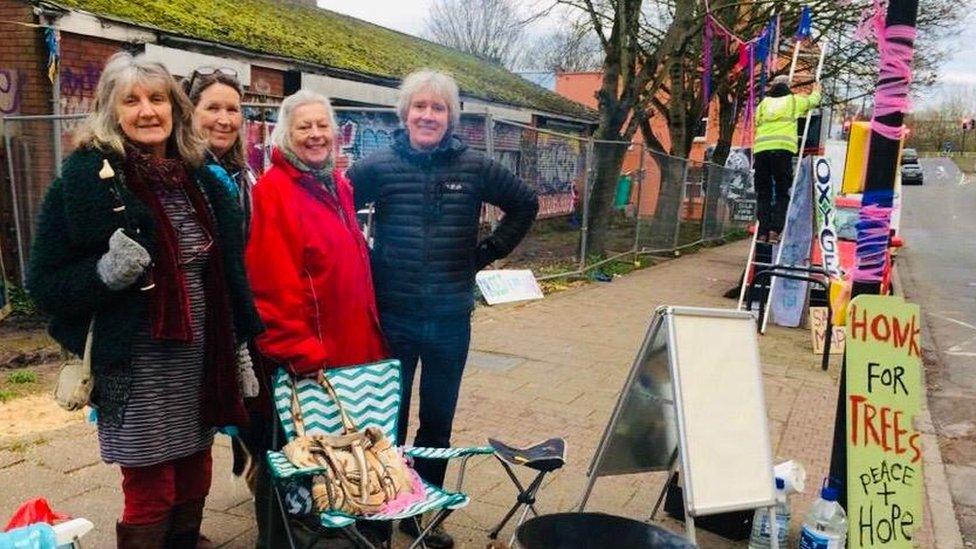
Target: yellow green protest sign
(884, 392)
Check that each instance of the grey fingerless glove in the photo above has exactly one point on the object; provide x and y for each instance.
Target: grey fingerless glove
(123, 263)
(245, 373)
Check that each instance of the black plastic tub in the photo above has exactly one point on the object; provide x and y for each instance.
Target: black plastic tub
(595, 531)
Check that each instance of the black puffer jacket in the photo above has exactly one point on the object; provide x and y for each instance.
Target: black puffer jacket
(426, 250)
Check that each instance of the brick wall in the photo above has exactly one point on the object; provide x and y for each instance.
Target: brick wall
(24, 89)
(82, 61)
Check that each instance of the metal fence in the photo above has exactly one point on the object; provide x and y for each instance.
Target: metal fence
(660, 203)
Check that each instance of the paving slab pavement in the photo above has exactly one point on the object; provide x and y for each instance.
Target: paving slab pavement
(547, 368)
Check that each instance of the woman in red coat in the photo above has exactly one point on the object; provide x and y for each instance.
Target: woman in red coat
(308, 264)
(307, 260)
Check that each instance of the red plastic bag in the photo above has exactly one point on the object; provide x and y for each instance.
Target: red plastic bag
(32, 512)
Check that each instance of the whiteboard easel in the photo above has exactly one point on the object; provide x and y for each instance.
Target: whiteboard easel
(694, 397)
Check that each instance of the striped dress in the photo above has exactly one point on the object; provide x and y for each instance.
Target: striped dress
(162, 420)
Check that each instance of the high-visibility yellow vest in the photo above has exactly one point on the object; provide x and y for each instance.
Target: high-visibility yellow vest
(776, 121)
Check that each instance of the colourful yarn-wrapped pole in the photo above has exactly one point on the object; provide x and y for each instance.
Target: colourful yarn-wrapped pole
(896, 45)
(896, 40)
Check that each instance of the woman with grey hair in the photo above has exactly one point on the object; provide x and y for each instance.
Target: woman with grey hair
(306, 257)
(139, 248)
(428, 188)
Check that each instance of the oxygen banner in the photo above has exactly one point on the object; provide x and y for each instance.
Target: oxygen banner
(823, 196)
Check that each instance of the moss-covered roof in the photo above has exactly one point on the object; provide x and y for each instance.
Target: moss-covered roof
(327, 38)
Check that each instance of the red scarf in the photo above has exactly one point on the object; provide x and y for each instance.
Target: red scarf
(169, 303)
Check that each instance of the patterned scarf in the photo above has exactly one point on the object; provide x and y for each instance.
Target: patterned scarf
(312, 178)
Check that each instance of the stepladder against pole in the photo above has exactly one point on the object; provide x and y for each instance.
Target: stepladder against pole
(797, 55)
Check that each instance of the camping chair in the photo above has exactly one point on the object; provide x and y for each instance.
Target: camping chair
(370, 394)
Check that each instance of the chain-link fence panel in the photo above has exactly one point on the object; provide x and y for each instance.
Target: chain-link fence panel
(34, 148)
(729, 201)
(613, 199)
(664, 187)
(555, 166)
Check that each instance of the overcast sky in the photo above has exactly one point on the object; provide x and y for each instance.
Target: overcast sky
(409, 16)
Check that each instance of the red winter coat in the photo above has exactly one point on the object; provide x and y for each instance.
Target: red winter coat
(308, 266)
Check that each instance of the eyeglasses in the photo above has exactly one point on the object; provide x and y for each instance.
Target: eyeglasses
(209, 71)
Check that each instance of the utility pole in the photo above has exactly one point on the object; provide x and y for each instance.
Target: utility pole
(878, 194)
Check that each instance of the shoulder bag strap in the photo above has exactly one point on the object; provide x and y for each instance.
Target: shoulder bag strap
(86, 357)
(347, 425)
(296, 409)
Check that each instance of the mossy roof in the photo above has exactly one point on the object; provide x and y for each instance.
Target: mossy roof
(331, 39)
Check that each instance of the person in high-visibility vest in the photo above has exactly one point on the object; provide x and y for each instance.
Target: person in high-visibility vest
(774, 147)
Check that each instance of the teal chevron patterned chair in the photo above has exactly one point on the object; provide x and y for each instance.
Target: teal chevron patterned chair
(370, 394)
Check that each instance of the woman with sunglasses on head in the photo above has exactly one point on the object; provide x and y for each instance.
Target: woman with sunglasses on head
(140, 245)
(216, 94)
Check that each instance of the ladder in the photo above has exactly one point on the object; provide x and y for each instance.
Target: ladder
(752, 263)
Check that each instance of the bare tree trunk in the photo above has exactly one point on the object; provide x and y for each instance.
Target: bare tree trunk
(664, 226)
(607, 161)
(726, 128)
(714, 174)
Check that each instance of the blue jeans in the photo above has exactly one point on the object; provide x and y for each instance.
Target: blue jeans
(441, 345)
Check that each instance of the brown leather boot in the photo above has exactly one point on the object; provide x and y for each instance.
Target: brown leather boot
(184, 527)
(141, 536)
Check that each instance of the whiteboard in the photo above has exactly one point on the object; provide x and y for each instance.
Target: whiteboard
(726, 457)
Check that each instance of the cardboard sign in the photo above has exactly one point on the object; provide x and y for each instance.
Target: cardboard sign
(884, 451)
(818, 329)
(505, 286)
(744, 210)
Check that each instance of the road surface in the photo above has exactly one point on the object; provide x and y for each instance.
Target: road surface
(938, 271)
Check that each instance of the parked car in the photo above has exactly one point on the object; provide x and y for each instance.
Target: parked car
(911, 173)
(909, 156)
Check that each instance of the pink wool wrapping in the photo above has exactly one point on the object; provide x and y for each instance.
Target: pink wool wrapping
(891, 95)
(405, 499)
(896, 49)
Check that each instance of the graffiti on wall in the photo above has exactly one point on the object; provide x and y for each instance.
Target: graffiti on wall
(363, 133)
(259, 121)
(11, 90)
(559, 168)
(78, 92)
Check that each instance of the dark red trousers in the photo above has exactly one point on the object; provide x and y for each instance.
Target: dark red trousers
(151, 492)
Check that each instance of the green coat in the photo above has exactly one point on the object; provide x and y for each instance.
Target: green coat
(73, 230)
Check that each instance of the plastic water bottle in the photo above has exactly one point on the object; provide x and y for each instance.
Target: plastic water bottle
(761, 530)
(826, 525)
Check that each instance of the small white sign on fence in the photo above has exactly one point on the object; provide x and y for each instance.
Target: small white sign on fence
(508, 285)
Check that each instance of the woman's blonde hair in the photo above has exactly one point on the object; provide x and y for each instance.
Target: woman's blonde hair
(102, 130)
(431, 81)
